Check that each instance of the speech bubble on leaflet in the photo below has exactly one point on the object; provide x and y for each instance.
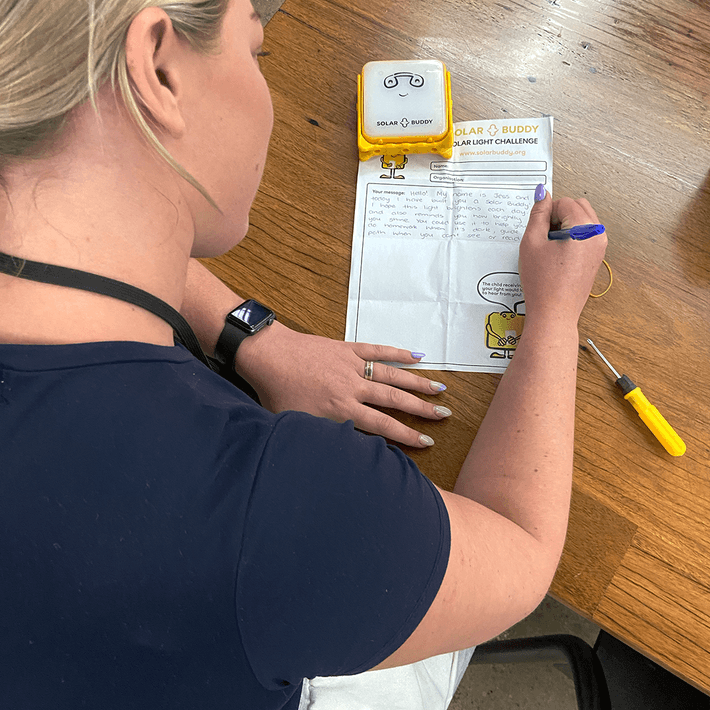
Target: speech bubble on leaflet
(502, 288)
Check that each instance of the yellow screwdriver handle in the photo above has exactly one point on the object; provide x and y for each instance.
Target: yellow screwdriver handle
(654, 420)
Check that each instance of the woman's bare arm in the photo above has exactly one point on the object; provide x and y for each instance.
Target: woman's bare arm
(510, 505)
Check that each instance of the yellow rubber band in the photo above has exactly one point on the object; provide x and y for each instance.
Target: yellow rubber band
(611, 281)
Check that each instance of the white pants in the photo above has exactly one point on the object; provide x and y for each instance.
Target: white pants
(426, 685)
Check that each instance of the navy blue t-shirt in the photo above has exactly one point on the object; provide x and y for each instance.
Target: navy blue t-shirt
(165, 542)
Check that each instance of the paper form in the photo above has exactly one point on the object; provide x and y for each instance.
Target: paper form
(435, 246)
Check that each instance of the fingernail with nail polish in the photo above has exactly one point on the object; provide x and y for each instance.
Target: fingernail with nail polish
(437, 386)
(426, 440)
(418, 356)
(443, 411)
(540, 193)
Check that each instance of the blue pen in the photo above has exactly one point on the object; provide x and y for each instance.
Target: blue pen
(583, 231)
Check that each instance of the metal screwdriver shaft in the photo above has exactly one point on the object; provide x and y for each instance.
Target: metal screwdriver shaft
(650, 416)
(608, 364)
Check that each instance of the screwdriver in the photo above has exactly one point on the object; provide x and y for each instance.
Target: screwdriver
(650, 416)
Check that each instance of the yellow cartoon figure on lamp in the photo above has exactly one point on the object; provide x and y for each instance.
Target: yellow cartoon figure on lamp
(393, 163)
(404, 107)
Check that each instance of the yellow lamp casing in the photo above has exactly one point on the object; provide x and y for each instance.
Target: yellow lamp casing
(404, 107)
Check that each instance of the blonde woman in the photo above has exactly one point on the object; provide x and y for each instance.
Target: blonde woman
(166, 542)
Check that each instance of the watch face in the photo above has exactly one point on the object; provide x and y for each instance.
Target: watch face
(251, 315)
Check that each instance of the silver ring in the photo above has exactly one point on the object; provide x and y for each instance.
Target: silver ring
(369, 368)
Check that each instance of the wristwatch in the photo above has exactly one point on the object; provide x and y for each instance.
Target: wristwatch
(246, 319)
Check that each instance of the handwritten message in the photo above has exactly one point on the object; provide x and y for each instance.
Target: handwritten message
(446, 212)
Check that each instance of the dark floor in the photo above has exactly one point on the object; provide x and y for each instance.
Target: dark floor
(533, 687)
(528, 686)
(266, 8)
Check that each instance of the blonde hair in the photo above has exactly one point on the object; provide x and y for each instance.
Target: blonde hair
(55, 54)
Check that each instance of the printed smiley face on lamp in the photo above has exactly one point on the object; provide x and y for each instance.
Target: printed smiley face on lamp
(404, 107)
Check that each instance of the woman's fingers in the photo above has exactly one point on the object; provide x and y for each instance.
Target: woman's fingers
(392, 375)
(381, 424)
(393, 398)
(568, 212)
(388, 375)
(386, 389)
(386, 353)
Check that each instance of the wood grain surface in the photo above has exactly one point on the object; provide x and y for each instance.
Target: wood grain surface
(628, 84)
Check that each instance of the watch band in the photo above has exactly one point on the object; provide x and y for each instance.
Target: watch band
(228, 343)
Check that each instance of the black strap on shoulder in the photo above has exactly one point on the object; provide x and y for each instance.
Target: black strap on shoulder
(85, 281)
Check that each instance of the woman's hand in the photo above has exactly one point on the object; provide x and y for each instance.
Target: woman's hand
(557, 275)
(324, 377)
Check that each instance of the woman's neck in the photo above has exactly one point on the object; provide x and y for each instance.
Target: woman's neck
(104, 206)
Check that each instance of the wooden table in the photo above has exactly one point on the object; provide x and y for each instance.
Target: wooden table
(628, 84)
